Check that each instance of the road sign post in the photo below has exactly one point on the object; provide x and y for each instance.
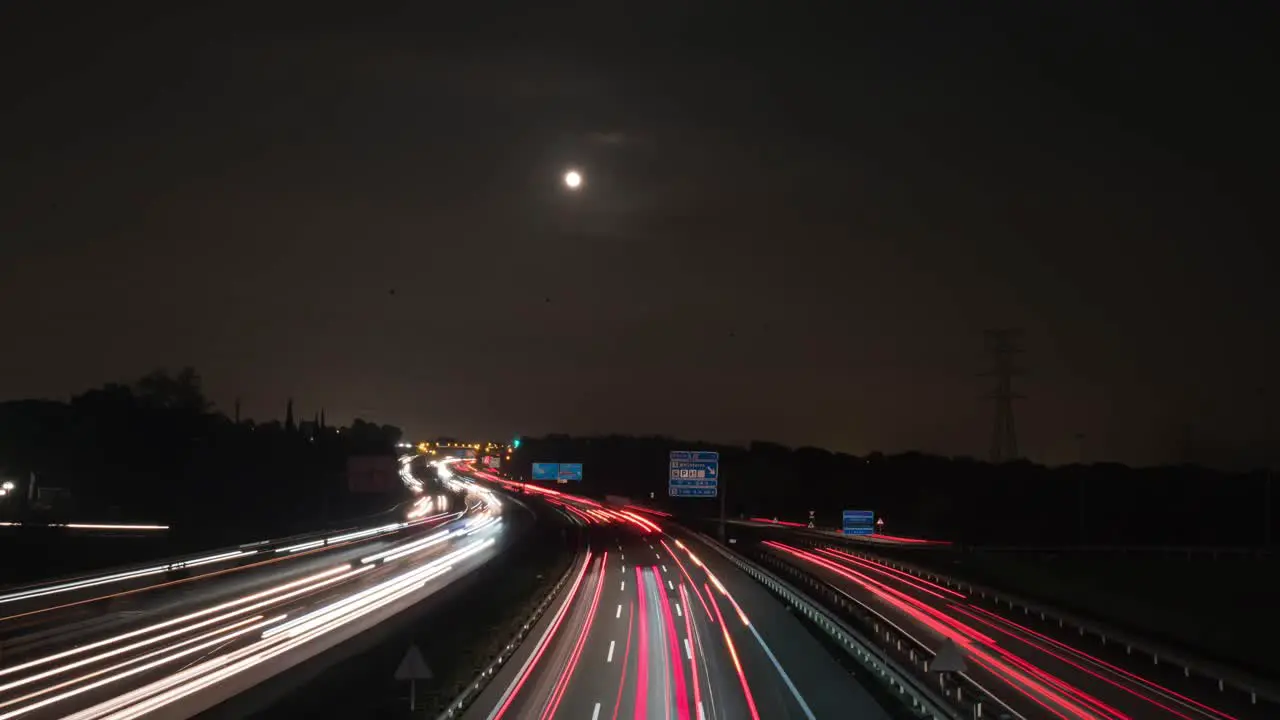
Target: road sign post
(413, 668)
(723, 532)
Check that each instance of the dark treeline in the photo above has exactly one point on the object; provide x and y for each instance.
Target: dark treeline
(156, 451)
(960, 499)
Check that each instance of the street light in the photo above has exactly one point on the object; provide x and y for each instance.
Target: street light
(7, 486)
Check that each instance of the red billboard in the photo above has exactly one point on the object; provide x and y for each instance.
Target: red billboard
(373, 474)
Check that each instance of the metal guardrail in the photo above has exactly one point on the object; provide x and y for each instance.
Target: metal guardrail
(473, 689)
(924, 701)
(1226, 678)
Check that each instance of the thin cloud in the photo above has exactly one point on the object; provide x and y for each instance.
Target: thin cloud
(609, 137)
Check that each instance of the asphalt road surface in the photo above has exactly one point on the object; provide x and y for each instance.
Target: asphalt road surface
(655, 625)
(159, 645)
(1033, 674)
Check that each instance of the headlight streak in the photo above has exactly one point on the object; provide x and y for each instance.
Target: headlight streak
(118, 577)
(95, 581)
(133, 671)
(119, 666)
(319, 579)
(409, 549)
(271, 644)
(276, 640)
(420, 574)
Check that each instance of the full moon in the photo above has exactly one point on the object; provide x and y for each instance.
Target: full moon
(573, 179)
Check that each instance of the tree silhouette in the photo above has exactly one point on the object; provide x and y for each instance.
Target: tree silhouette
(160, 390)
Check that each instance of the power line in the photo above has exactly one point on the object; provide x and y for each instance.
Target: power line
(1003, 345)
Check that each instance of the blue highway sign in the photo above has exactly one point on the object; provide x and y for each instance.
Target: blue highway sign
(545, 471)
(570, 471)
(858, 522)
(693, 473)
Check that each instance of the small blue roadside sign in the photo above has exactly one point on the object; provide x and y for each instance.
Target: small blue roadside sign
(570, 471)
(693, 473)
(858, 522)
(546, 471)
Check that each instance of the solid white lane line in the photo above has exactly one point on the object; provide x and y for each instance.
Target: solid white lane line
(804, 706)
(610, 658)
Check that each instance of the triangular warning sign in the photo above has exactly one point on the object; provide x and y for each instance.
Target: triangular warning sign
(413, 666)
(948, 659)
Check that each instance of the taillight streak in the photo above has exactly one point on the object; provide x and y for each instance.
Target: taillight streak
(733, 654)
(693, 662)
(918, 583)
(642, 657)
(543, 642)
(685, 572)
(949, 627)
(880, 589)
(626, 652)
(673, 650)
(563, 681)
(1154, 687)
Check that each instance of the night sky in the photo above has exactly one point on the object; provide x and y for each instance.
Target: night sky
(795, 223)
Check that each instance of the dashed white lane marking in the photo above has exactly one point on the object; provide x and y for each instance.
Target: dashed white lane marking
(688, 649)
(672, 587)
(595, 714)
(619, 613)
(611, 642)
(678, 613)
(664, 568)
(624, 585)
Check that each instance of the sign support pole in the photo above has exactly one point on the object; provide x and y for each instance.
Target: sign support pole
(720, 488)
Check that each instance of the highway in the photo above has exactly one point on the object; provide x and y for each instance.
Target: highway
(146, 642)
(654, 624)
(1033, 674)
